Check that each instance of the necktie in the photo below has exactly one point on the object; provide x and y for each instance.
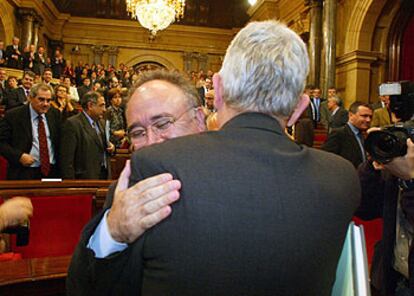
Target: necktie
(361, 142)
(26, 91)
(43, 149)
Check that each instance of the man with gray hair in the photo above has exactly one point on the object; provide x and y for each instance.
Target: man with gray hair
(338, 116)
(29, 137)
(255, 211)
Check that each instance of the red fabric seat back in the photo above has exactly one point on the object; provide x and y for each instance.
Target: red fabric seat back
(3, 168)
(55, 226)
(373, 234)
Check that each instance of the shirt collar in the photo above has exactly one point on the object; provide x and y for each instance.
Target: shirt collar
(353, 128)
(33, 114)
(91, 121)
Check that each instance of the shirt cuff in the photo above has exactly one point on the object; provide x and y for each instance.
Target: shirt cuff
(101, 241)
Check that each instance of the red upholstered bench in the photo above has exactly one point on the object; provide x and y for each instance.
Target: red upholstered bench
(55, 226)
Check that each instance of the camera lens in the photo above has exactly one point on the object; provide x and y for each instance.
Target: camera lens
(384, 145)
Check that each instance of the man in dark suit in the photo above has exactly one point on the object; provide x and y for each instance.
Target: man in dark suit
(348, 141)
(208, 85)
(338, 116)
(218, 236)
(20, 95)
(317, 104)
(29, 137)
(85, 149)
(14, 54)
(85, 87)
(2, 54)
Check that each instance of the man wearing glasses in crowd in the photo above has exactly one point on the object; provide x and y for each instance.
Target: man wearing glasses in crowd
(29, 137)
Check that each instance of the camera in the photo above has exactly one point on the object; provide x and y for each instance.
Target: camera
(22, 233)
(390, 142)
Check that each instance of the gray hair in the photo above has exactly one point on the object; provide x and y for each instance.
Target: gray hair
(34, 90)
(172, 77)
(265, 69)
(90, 96)
(336, 99)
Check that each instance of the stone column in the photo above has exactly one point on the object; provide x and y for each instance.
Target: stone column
(202, 61)
(329, 45)
(27, 17)
(187, 59)
(315, 33)
(113, 55)
(36, 26)
(98, 51)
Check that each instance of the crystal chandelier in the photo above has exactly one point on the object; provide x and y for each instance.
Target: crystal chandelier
(156, 15)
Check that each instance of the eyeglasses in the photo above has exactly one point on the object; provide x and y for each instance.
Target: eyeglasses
(159, 127)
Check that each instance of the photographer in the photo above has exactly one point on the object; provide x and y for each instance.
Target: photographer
(387, 182)
(14, 212)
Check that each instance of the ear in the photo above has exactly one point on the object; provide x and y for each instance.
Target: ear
(300, 108)
(201, 119)
(218, 91)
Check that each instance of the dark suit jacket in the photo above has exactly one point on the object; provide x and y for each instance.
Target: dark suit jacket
(267, 218)
(379, 199)
(339, 119)
(12, 63)
(82, 152)
(342, 141)
(15, 98)
(16, 136)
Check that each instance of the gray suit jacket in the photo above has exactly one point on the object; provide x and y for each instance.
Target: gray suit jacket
(258, 215)
(82, 152)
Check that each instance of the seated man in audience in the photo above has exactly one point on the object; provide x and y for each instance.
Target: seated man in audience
(348, 141)
(20, 95)
(29, 137)
(47, 77)
(240, 207)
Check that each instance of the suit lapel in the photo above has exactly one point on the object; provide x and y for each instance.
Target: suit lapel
(355, 142)
(90, 130)
(27, 122)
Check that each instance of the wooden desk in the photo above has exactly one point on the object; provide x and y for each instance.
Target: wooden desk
(37, 276)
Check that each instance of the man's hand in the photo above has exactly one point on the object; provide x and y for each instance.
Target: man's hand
(401, 167)
(15, 211)
(26, 159)
(141, 206)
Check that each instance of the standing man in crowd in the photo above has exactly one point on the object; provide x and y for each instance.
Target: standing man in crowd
(338, 116)
(348, 141)
(2, 54)
(218, 235)
(85, 149)
(14, 54)
(29, 137)
(20, 95)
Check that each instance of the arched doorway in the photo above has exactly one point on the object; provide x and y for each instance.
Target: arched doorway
(147, 66)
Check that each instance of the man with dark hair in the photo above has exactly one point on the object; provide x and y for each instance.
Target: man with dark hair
(20, 95)
(29, 137)
(348, 141)
(85, 149)
(84, 88)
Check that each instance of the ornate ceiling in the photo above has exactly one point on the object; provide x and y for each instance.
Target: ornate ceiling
(210, 13)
